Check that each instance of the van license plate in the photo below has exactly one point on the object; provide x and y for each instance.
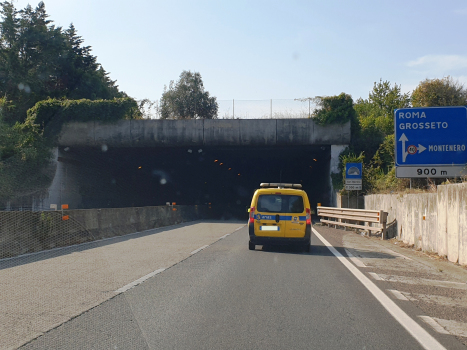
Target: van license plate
(269, 228)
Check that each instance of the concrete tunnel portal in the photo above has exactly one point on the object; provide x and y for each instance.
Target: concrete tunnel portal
(219, 163)
(222, 177)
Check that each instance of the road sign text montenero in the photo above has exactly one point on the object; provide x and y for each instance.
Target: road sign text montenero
(430, 142)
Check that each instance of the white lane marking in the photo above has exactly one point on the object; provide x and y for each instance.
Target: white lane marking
(199, 249)
(422, 336)
(355, 260)
(453, 327)
(138, 281)
(392, 252)
(437, 299)
(424, 281)
(375, 276)
(224, 236)
(433, 324)
(398, 294)
(239, 228)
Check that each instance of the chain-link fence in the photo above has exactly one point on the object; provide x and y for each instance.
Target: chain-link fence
(247, 109)
(264, 109)
(31, 231)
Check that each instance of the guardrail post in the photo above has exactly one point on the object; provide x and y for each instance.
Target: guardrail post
(382, 216)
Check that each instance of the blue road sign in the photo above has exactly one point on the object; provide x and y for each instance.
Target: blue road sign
(353, 171)
(432, 136)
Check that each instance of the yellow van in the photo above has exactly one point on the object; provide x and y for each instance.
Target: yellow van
(280, 214)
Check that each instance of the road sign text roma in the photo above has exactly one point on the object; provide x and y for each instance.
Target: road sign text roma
(433, 136)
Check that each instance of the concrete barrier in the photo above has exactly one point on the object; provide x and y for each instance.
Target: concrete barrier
(431, 222)
(26, 232)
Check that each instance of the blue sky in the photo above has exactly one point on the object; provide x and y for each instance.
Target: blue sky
(256, 50)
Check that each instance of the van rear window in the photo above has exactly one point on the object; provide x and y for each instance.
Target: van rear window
(277, 203)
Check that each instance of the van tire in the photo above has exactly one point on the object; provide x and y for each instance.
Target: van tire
(251, 246)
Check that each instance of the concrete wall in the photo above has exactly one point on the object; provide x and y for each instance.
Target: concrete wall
(25, 232)
(444, 229)
(225, 132)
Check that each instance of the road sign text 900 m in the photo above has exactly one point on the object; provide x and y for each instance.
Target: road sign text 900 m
(428, 171)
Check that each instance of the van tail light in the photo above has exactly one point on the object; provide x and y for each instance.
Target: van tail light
(252, 215)
(308, 216)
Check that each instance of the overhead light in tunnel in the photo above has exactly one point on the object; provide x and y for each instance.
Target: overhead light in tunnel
(314, 159)
(215, 160)
(139, 167)
(200, 150)
(238, 174)
(190, 151)
(230, 168)
(221, 163)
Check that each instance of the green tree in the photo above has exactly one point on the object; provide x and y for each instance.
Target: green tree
(376, 116)
(439, 92)
(39, 60)
(377, 112)
(334, 109)
(187, 99)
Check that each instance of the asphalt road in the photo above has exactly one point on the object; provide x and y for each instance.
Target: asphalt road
(227, 297)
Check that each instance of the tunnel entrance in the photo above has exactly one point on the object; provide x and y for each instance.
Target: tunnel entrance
(222, 177)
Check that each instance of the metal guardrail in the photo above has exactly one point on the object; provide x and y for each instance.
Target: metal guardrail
(354, 218)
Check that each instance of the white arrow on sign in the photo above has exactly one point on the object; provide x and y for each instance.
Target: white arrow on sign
(404, 139)
(421, 148)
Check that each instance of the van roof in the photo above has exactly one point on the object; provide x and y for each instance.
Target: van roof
(279, 185)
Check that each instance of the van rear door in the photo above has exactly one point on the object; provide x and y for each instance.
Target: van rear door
(295, 216)
(268, 216)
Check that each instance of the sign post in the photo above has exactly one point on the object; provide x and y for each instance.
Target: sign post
(353, 179)
(430, 142)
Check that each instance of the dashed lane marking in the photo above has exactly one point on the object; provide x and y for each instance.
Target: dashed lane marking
(453, 327)
(355, 260)
(436, 299)
(375, 276)
(398, 294)
(425, 339)
(199, 249)
(392, 252)
(138, 281)
(433, 324)
(421, 281)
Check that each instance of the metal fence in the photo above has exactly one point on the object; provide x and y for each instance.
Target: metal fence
(249, 109)
(265, 109)
(30, 231)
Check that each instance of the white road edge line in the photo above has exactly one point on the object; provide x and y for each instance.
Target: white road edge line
(435, 325)
(355, 260)
(138, 281)
(421, 335)
(398, 294)
(199, 249)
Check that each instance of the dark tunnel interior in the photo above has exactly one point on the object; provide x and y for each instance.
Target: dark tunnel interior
(224, 178)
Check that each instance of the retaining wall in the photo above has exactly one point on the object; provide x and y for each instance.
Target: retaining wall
(27, 231)
(432, 222)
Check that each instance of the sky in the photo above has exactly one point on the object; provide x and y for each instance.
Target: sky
(261, 50)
